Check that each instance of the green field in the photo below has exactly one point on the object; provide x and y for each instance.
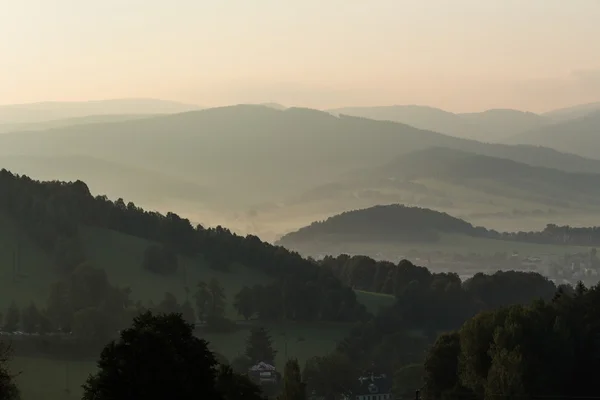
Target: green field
(48, 379)
(121, 256)
(373, 301)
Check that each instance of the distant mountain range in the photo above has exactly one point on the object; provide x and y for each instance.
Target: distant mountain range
(60, 123)
(487, 126)
(48, 111)
(254, 159)
(579, 136)
(252, 153)
(567, 113)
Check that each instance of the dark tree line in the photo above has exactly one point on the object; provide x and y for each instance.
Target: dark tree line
(547, 348)
(500, 288)
(396, 339)
(53, 212)
(8, 388)
(298, 301)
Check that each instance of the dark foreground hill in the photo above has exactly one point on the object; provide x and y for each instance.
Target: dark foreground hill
(51, 228)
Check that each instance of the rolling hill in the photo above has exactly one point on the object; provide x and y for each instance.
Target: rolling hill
(115, 180)
(567, 113)
(252, 154)
(59, 123)
(392, 232)
(487, 126)
(497, 124)
(381, 223)
(498, 193)
(578, 136)
(47, 111)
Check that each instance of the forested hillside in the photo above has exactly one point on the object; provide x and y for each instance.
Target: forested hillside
(382, 223)
(55, 216)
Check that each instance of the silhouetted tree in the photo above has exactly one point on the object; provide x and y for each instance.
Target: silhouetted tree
(8, 388)
(244, 303)
(188, 312)
(168, 305)
(157, 358)
(217, 299)
(11, 320)
(293, 387)
(259, 346)
(234, 386)
(31, 319)
(203, 301)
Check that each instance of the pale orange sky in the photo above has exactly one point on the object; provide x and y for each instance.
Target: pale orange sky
(460, 55)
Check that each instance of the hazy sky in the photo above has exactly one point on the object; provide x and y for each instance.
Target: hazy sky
(460, 55)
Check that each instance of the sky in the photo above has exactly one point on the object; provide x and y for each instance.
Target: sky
(459, 55)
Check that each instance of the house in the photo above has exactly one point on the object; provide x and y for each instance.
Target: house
(373, 387)
(263, 373)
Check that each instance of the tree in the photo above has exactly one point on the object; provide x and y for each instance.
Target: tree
(11, 320)
(31, 319)
(157, 358)
(330, 376)
(441, 366)
(407, 379)
(234, 386)
(217, 299)
(241, 364)
(259, 346)
(168, 305)
(188, 312)
(244, 303)
(293, 387)
(8, 388)
(92, 325)
(203, 301)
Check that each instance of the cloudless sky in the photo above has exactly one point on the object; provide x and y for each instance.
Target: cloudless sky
(461, 55)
